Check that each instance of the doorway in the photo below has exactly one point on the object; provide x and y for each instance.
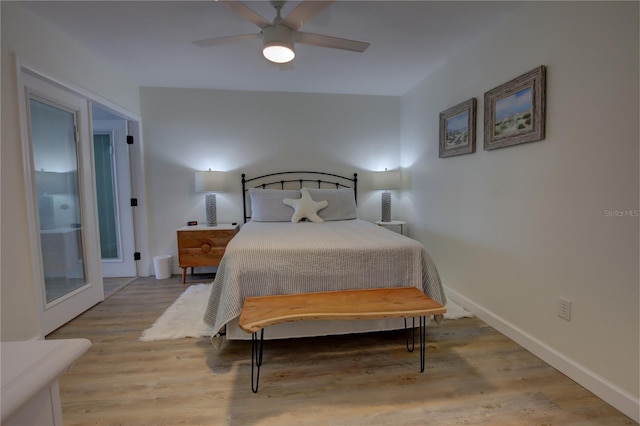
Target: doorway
(61, 199)
(113, 194)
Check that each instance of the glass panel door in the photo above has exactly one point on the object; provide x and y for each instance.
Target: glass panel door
(55, 163)
(113, 193)
(106, 194)
(63, 226)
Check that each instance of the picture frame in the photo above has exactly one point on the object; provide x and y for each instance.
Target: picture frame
(514, 112)
(458, 129)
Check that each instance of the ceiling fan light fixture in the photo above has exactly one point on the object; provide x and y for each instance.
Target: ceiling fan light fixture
(278, 44)
(278, 54)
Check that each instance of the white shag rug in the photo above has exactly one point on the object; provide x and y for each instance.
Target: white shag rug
(184, 317)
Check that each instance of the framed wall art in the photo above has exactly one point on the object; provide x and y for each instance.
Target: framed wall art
(458, 129)
(514, 112)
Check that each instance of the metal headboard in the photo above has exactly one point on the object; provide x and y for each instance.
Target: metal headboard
(281, 179)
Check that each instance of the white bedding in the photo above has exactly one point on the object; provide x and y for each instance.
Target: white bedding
(285, 258)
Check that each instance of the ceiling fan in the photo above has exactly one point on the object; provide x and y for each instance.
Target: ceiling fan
(279, 36)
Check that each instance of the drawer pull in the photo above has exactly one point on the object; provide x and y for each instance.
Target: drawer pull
(206, 248)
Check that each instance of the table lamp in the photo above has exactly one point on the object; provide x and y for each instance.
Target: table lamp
(387, 180)
(210, 182)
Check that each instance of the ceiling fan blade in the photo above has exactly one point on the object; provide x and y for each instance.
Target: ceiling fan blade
(224, 40)
(332, 42)
(303, 12)
(245, 12)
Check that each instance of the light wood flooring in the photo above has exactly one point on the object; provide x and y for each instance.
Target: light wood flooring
(474, 376)
(113, 285)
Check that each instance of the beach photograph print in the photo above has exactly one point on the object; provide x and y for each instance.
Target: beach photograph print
(457, 129)
(515, 111)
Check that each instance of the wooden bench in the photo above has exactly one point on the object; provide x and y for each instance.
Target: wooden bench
(405, 302)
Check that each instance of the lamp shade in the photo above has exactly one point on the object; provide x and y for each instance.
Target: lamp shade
(210, 181)
(386, 180)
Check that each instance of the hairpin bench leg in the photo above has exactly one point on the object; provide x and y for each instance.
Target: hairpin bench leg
(423, 338)
(412, 332)
(256, 358)
(423, 341)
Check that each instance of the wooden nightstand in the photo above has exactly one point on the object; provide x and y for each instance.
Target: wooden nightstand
(203, 245)
(399, 223)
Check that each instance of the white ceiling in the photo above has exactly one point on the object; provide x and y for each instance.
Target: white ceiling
(151, 41)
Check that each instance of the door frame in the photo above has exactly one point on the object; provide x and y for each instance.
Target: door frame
(143, 267)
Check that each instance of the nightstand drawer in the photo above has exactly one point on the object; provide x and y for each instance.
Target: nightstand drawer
(204, 240)
(202, 245)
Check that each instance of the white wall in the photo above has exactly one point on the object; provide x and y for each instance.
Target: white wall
(514, 229)
(256, 133)
(38, 44)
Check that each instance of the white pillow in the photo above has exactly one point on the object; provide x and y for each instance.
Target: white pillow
(342, 203)
(305, 207)
(267, 205)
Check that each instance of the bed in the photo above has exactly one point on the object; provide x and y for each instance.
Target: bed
(335, 250)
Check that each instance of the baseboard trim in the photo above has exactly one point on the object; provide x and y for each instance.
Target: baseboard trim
(612, 394)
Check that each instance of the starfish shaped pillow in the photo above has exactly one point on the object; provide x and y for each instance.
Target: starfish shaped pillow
(305, 207)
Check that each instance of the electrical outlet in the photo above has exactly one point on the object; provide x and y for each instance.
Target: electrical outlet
(564, 308)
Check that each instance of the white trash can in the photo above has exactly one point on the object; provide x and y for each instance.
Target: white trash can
(162, 266)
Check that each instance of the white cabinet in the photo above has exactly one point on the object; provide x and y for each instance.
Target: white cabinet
(30, 372)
